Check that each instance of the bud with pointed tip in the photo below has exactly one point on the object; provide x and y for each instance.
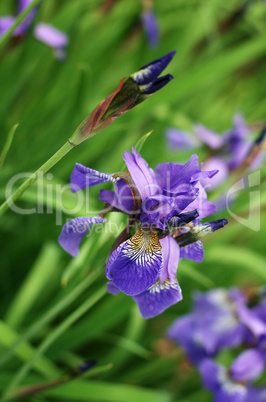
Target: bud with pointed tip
(130, 92)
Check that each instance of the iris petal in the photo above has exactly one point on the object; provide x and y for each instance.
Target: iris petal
(171, 253)
(136, 264)
(193, 251)
(83, 177)
(158, 298)
(74, 231)
(142, 175)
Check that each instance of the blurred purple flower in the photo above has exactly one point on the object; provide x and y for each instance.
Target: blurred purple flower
(53, 38)
(151, 27)
(228, 150)
(178, 139)
(219, 319)
(47, 34)
(160, 203)
(233, 384)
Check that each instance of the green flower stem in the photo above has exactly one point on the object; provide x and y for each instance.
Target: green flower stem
(33, 178)
(5, 38)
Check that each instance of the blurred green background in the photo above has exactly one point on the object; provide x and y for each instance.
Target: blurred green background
(219, 69)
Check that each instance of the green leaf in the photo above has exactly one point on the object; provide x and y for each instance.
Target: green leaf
(25, 352)
(108, 392)
(35, 283)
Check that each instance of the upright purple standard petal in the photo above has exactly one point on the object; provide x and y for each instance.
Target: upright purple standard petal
(171, 251)
(178, 140)
(74, 231)
(210, 138)
(151, 27)
(83, 177)
(52, 37)
(174, 177)
(247, 366)
(158, 298)
(215, 163)
(136, 264)
(6, 22)
(142, 175)
(151, 71)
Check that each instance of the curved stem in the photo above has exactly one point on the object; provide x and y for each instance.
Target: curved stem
(33, 178)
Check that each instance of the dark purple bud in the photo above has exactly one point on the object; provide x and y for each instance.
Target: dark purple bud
(151, 71)
(157, 84)
(200, 231)
(84, 366)
(182, 219)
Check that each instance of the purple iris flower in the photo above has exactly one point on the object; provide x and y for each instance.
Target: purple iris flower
(151, 27)
(234, 384)
(220, 319)
(47, 34)
(228, 151)
(165, 206)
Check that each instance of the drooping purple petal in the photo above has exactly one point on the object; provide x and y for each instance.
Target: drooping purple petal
(50, 36)
(112, 289)
(216, 379)
(247, 366)
(83, 177)
(151, 27)
(210, 138)
(215, 163)
(194, 251)
(210, 372)
(136, 264)
(142, 175)
(171, 251)
(177, 139)
(158, 298)
(183, 332)
(151, 71)
(257, 394)
(74, 231)
(6, 22)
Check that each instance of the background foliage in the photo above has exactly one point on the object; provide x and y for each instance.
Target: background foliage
(47, 328)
